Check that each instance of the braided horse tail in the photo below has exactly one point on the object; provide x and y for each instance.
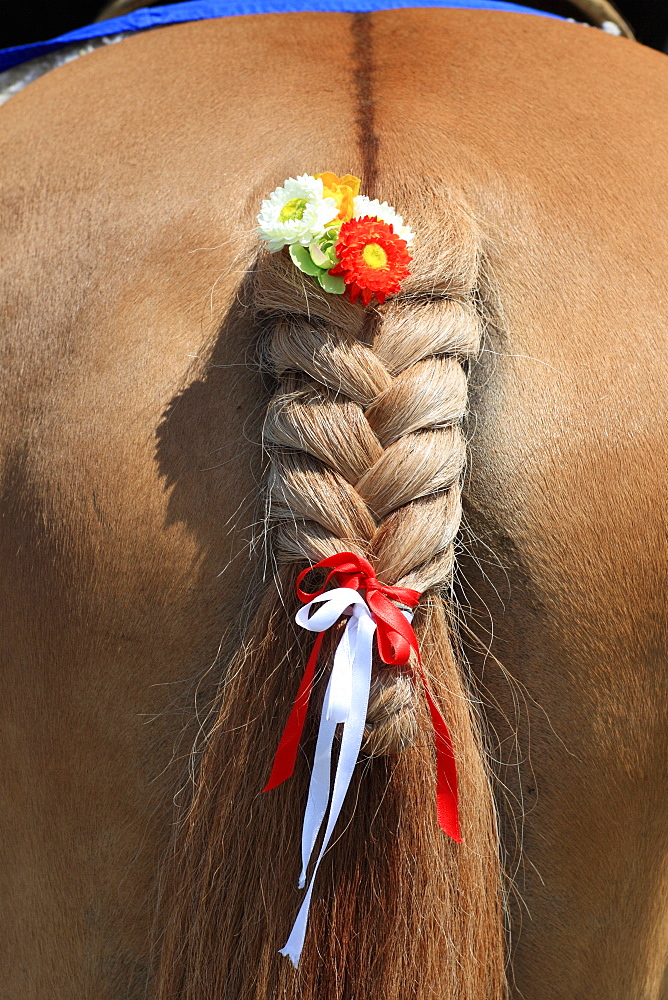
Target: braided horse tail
(367, 455)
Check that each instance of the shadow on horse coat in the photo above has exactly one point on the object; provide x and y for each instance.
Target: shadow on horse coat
(128, 316)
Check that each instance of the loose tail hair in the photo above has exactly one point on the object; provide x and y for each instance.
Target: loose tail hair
(367, 455)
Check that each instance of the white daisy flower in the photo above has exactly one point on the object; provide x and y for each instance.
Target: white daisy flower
(381, 210)
(297, 212)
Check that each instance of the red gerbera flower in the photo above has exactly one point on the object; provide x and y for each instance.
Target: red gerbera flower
(372, 259)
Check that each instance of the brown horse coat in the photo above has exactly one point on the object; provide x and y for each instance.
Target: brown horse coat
(130, 454)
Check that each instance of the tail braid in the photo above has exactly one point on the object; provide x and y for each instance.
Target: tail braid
(367, 455)
(367, 452)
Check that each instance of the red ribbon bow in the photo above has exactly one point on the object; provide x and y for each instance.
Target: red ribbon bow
(395, 638)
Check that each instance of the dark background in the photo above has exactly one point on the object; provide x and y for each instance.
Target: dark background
(32, 22)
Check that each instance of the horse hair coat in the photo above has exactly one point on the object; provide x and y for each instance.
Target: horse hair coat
(141, 614)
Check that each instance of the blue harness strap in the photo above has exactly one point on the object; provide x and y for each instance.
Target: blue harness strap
(201, 10)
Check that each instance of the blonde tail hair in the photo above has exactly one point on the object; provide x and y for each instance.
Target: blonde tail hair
(367, 455)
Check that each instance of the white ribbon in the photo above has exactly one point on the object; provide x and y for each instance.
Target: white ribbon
(346, 702)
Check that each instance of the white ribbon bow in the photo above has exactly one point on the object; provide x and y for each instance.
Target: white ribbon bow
(346, 702)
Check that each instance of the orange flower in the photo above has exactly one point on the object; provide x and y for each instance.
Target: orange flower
(343, 190)
(372, 259)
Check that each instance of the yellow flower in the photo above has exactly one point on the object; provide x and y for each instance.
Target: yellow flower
(342, 190)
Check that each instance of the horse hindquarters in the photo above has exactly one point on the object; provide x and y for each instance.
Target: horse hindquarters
(118, 542)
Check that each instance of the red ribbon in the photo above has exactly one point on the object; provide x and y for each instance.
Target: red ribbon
(395, 638)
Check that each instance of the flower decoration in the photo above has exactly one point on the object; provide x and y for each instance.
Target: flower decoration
(345, 241)
(372, 259)
(343, 190)
(381, 210)
(296, 212)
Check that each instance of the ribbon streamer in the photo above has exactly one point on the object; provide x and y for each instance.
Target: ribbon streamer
(346, 701)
